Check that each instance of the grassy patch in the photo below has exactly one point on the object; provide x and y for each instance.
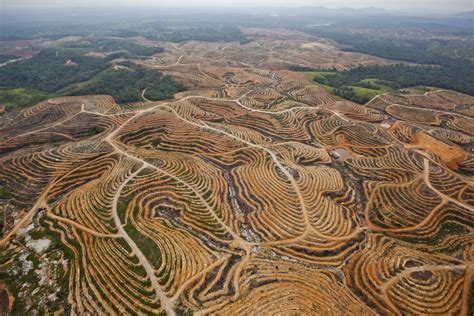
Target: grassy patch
(377, 84)
(20, 98)
(415, 90)
(331, 91)
(148, 247)
(312, 75)
(365, 93)
(122, 206)
(359, 91)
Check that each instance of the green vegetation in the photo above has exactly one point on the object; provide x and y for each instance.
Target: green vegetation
(202, 33)
(126, 82)
(430, 51)
(156, 142)
(4, 190)
(448, 228)
(29, 283)
(444, 66)
(364, 93)
(403, 76)
(313, 75)
(147, 246)
(69, 72)
(22, 97)
(362, 83)
(122, 206)
(27, 82)
(182, 310)
(377, 84)
(357, 90)
(95, 130)
(50, 70)
(112, 45)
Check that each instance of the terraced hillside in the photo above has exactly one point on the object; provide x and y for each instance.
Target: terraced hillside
(252, 192)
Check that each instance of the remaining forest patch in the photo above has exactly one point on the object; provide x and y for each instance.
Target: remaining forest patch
(130, 83)
(73, 70)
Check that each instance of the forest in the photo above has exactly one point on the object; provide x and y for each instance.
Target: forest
(113, 45)
(396, 77)
(202, 33)
(50, 70)
(59, 71)
(432, 63)
(389, 46)
(126, 82)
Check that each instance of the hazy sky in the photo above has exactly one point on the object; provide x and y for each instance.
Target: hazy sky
(434, 5)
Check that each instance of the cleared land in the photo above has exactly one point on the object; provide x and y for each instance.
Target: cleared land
(230, 198)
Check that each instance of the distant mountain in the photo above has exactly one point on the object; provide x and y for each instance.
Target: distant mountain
(323, 11)
(465, 15)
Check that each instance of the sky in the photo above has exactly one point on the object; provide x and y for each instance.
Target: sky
(399, 5)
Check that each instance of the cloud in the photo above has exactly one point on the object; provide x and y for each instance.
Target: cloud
(433, 5)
